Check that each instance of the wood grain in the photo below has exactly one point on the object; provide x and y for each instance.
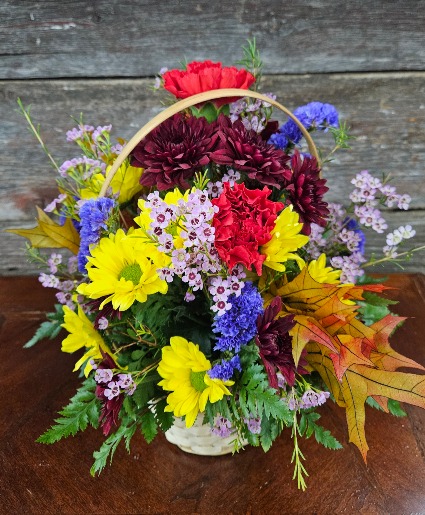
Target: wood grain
(385, 111)
(107, 38)
(159, 478)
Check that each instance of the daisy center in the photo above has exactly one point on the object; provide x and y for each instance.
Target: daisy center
(131, 273)
(197, 381)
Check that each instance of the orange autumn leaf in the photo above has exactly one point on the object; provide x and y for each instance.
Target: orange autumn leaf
(350, 353)
(362, 363)
(49, 234)
(305, 330)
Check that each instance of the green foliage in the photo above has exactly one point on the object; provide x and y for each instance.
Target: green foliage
(393, 407)
(367, 279)
(166, 316)
(209, 111)
(256, 396)
(163, 418)
(307, 426)
(48, 329)
(270, 430)
(109, 446)
(82, 410)
(149, 426)
(374, 307)
(341, 135)
(252, 61)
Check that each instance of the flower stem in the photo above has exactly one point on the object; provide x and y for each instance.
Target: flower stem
(297, 457)
(388, 258)
(36, 131)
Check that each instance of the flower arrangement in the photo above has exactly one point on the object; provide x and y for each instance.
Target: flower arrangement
(204, 275)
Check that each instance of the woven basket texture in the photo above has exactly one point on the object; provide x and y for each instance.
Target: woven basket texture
(199, 439)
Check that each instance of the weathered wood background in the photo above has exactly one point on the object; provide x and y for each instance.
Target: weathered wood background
(99, 57)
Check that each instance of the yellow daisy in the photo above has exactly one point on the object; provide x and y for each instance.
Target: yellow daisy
(82, 334)
(123, 271)
(322, 273)
(286, 240)
(183, 368)
(125, 182)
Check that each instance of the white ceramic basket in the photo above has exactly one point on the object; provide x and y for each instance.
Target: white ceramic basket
(199, 439)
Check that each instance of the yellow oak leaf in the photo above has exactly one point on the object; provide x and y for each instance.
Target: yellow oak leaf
(49, 234)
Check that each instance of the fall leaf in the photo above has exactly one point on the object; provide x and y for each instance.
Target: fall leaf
(49, 234)
(307, 329)
(355, 361)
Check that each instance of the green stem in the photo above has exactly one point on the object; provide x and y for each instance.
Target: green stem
(382, 260)
(36, 132)
(297, 456)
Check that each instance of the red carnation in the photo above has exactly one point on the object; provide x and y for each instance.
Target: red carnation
(243, 223)
(245, 150)
(206, 76)
(305, 191)
(275, 344)
(174, 151)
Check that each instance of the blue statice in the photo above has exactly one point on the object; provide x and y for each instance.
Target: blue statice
(94, 215)
(237, 326)
(225, 369)
(314, 115)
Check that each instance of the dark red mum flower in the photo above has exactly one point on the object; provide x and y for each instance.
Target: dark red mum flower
(205, 76)
(174, 151)
(305, 191)
(275, 344)
(110, 407)
(243, 223)
(245, 150)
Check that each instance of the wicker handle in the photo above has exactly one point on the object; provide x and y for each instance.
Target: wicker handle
(191, 101)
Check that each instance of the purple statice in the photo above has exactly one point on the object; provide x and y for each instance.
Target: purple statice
(101, 132)
(222, 427)
(309, 399)
(65, 298)
(314, 115)
(225, 369)
(49, 280)
(254, 114)
(253, 425)
(78, 133)
(54, 261)
(350, 266)
(72, 264)
(53, 204)
(221, 288)
(198, 257)
(102, 323)
(103, 375)
(237, 326)
(94, 215)
(83, 167)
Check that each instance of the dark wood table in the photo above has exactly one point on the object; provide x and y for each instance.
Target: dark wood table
(159, 478)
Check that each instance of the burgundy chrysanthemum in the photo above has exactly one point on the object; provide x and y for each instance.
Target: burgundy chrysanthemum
(275, 344)
(305, 191)
(107, 311)
(245, 150)
(110, 407)
(174, 151)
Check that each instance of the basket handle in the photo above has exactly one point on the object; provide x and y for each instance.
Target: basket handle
(191, 101)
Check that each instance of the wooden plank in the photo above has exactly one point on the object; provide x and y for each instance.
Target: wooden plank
(110, 38)
(386, 113)
(13, 260)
